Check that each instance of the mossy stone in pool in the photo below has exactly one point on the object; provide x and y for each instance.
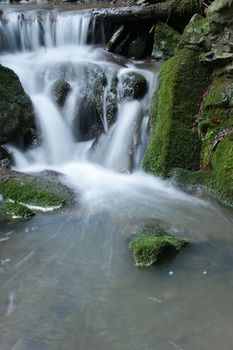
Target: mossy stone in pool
(148, 249)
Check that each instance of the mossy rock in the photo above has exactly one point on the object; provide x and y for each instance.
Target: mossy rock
(16, 111)
(34, 192)
(174, 139)
(196, 32)
(15, 210)
(60, 90)
(166, 40)
(220, 15)
(148, 249)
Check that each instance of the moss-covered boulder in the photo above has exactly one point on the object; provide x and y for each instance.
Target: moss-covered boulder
(16, 112)
(174, 139)
(166, 40)
(15, 210)
(34, 192)
(148, 249)
(60, 90)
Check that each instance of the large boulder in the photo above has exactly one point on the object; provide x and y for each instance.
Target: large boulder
(16, 111)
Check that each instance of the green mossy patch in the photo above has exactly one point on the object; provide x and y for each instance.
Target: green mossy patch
(174, 140)
(148, 249)
(34, 191)
(15, 210)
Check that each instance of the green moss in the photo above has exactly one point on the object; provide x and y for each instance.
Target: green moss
(174, 141)
(166, 40)
(16, 210)
(31, 191)
(148, 250)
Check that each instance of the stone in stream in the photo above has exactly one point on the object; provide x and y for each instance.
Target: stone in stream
(153, 245)
(134, 86)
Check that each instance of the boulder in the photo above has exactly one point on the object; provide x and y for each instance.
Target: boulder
(16, 111)
(151, 248)
(166, 40)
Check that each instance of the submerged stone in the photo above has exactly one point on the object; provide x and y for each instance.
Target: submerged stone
(148, 249)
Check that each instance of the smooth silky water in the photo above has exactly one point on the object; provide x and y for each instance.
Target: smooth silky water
(68, 281)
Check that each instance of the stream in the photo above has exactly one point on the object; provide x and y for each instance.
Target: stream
(68, 281)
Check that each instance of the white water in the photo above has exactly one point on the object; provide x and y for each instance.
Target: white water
(100, 175)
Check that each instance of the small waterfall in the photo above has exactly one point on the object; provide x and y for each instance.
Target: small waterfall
(28, 31)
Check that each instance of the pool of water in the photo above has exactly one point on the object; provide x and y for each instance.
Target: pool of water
(68, 282)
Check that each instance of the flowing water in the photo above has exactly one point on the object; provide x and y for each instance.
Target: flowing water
(68, 281)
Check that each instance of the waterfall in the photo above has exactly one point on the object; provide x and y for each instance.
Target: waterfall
(97, 136)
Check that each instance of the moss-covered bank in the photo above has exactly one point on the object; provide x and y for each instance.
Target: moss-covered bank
(192, 110)
(174, 136)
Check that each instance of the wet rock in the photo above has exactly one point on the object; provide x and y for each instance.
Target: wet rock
(166, 40)
(60, 90)
(152, 247)
(88, 123)
(134, 86)
(16, 112)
